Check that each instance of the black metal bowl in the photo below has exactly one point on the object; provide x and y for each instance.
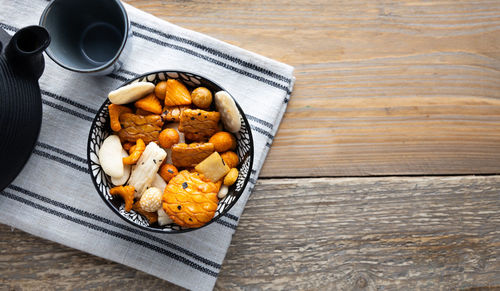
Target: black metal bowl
(101, 129)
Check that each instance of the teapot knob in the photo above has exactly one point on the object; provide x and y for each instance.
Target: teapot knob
(24, 50)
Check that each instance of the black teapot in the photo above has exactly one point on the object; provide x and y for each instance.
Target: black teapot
(21, 65)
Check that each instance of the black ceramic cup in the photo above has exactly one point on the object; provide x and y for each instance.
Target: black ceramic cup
(88, 36)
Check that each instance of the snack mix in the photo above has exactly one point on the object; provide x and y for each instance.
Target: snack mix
(171, 155)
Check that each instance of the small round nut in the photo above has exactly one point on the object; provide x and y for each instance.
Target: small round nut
(168, 171)
(168, 137)
(161, 89)
(231, 177)
(201, 97)
(151, 199)
(230, 159)
(223, 141)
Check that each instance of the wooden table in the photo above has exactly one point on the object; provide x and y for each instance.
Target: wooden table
(383, 174)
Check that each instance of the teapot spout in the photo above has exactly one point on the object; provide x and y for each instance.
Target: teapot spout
(24, 51)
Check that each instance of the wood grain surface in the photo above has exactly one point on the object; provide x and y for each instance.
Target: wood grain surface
(391, 233)
(383, 87)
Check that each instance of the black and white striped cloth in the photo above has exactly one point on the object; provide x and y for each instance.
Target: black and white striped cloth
(54, 198)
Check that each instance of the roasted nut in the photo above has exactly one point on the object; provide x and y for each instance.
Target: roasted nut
(168, 137)
(168, 171)
(231, 159)
(231, 177)
(160, 89)
(201, 97)
(151, 199)
(176, 127)
(223, 141)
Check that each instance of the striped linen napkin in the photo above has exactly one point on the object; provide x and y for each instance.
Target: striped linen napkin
(54, 197)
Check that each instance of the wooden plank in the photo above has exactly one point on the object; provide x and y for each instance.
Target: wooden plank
(31, 263)
(395, 233)
(375, 233)
(324, 233)
(393, 88)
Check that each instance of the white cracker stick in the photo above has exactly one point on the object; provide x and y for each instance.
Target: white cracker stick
(126, 172)
(158, 182)
(228, 111)
(143, 173)
(163, 218)
(131, 92)
(110, 156)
